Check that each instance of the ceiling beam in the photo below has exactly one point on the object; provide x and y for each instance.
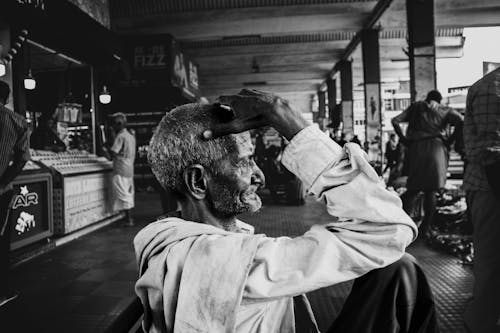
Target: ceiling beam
(232, 61)
(276, 76)
(265, 21)
(259, 49)
(305, 87)
(369, 23)
(450, 13)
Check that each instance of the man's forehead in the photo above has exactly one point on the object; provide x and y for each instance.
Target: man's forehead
(244, 144)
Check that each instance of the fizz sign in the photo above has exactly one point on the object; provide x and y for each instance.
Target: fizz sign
(152, 57)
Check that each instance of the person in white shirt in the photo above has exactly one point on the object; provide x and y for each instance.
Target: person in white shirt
(123, 154)
(208, 272)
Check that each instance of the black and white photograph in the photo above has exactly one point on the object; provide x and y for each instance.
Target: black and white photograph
(250, 166)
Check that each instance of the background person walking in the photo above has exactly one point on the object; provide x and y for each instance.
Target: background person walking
(426, 158)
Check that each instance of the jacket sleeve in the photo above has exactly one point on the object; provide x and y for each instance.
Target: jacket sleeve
(365, 228)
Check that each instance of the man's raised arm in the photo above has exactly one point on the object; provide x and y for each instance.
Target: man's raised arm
(368, 228)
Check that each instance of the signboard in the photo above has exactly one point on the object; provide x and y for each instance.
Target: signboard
(158, 59)
(40, 4)
(31, 209)
(150, 56)
(184, 72)
(97, 9)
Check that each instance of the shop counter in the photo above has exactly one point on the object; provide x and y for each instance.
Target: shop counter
(30, 212)
(82, 188)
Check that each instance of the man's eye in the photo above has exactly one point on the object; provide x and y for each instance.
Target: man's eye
(245, 162)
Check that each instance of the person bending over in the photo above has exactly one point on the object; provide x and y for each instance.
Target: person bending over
(208, 272)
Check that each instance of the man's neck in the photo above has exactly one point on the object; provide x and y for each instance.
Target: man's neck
(199, 212)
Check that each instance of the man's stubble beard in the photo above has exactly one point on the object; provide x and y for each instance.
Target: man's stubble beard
(227, 201)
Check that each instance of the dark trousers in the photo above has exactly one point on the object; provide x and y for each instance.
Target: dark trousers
(5, 200)
(482, 314)
(396, 298)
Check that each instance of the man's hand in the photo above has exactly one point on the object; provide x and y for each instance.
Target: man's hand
(255, 109)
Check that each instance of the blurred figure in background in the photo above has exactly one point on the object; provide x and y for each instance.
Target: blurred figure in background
(45, 136)
(392, 156)
(123, 155)
(482, 184)
(339, 138)
(427, 154)
(355, 139)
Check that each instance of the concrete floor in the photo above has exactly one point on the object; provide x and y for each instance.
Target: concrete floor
(84, 285)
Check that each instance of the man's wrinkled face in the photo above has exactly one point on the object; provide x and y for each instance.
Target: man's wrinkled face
(233, 188)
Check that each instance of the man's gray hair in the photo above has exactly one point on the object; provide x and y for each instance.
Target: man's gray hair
(177, 143)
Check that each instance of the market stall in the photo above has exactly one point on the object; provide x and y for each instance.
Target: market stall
(81, 187)
(54, 56)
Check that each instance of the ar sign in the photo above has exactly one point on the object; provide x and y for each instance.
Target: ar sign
(25, 198)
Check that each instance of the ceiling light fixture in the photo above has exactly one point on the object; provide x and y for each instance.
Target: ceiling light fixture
(105, 96)
(3, 68)
(29, 81)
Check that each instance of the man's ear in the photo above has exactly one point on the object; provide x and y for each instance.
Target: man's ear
(195, 181)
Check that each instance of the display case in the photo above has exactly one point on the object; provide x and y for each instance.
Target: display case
(31, 208)
(82, 188)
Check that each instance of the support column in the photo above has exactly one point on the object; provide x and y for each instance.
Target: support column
(346, 95)
(421, 47)
(373, 94)
(333, 118)
(321, 110)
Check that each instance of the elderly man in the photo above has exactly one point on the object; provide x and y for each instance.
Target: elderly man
(207, 272)
(482, 183)
(123, 154)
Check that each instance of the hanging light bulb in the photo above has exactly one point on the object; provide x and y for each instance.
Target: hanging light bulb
(29, 81)
(105, 96)
(3, 68)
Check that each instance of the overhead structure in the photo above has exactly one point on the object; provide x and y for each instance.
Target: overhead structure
(291, 46)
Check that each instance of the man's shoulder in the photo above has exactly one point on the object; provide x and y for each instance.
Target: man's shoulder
(483, 84)
(174, 229)
(13, 116)
(126, 135)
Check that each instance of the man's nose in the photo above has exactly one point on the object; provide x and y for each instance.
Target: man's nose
(258, 176)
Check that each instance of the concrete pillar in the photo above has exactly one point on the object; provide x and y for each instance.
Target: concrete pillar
(421, 47)
(346, 95)
(331, 86)
(321, 109)
(373, 94)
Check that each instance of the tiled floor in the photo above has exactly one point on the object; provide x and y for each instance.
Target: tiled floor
(84, 285)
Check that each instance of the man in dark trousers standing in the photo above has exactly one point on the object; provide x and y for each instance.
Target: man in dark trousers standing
(14, 153)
